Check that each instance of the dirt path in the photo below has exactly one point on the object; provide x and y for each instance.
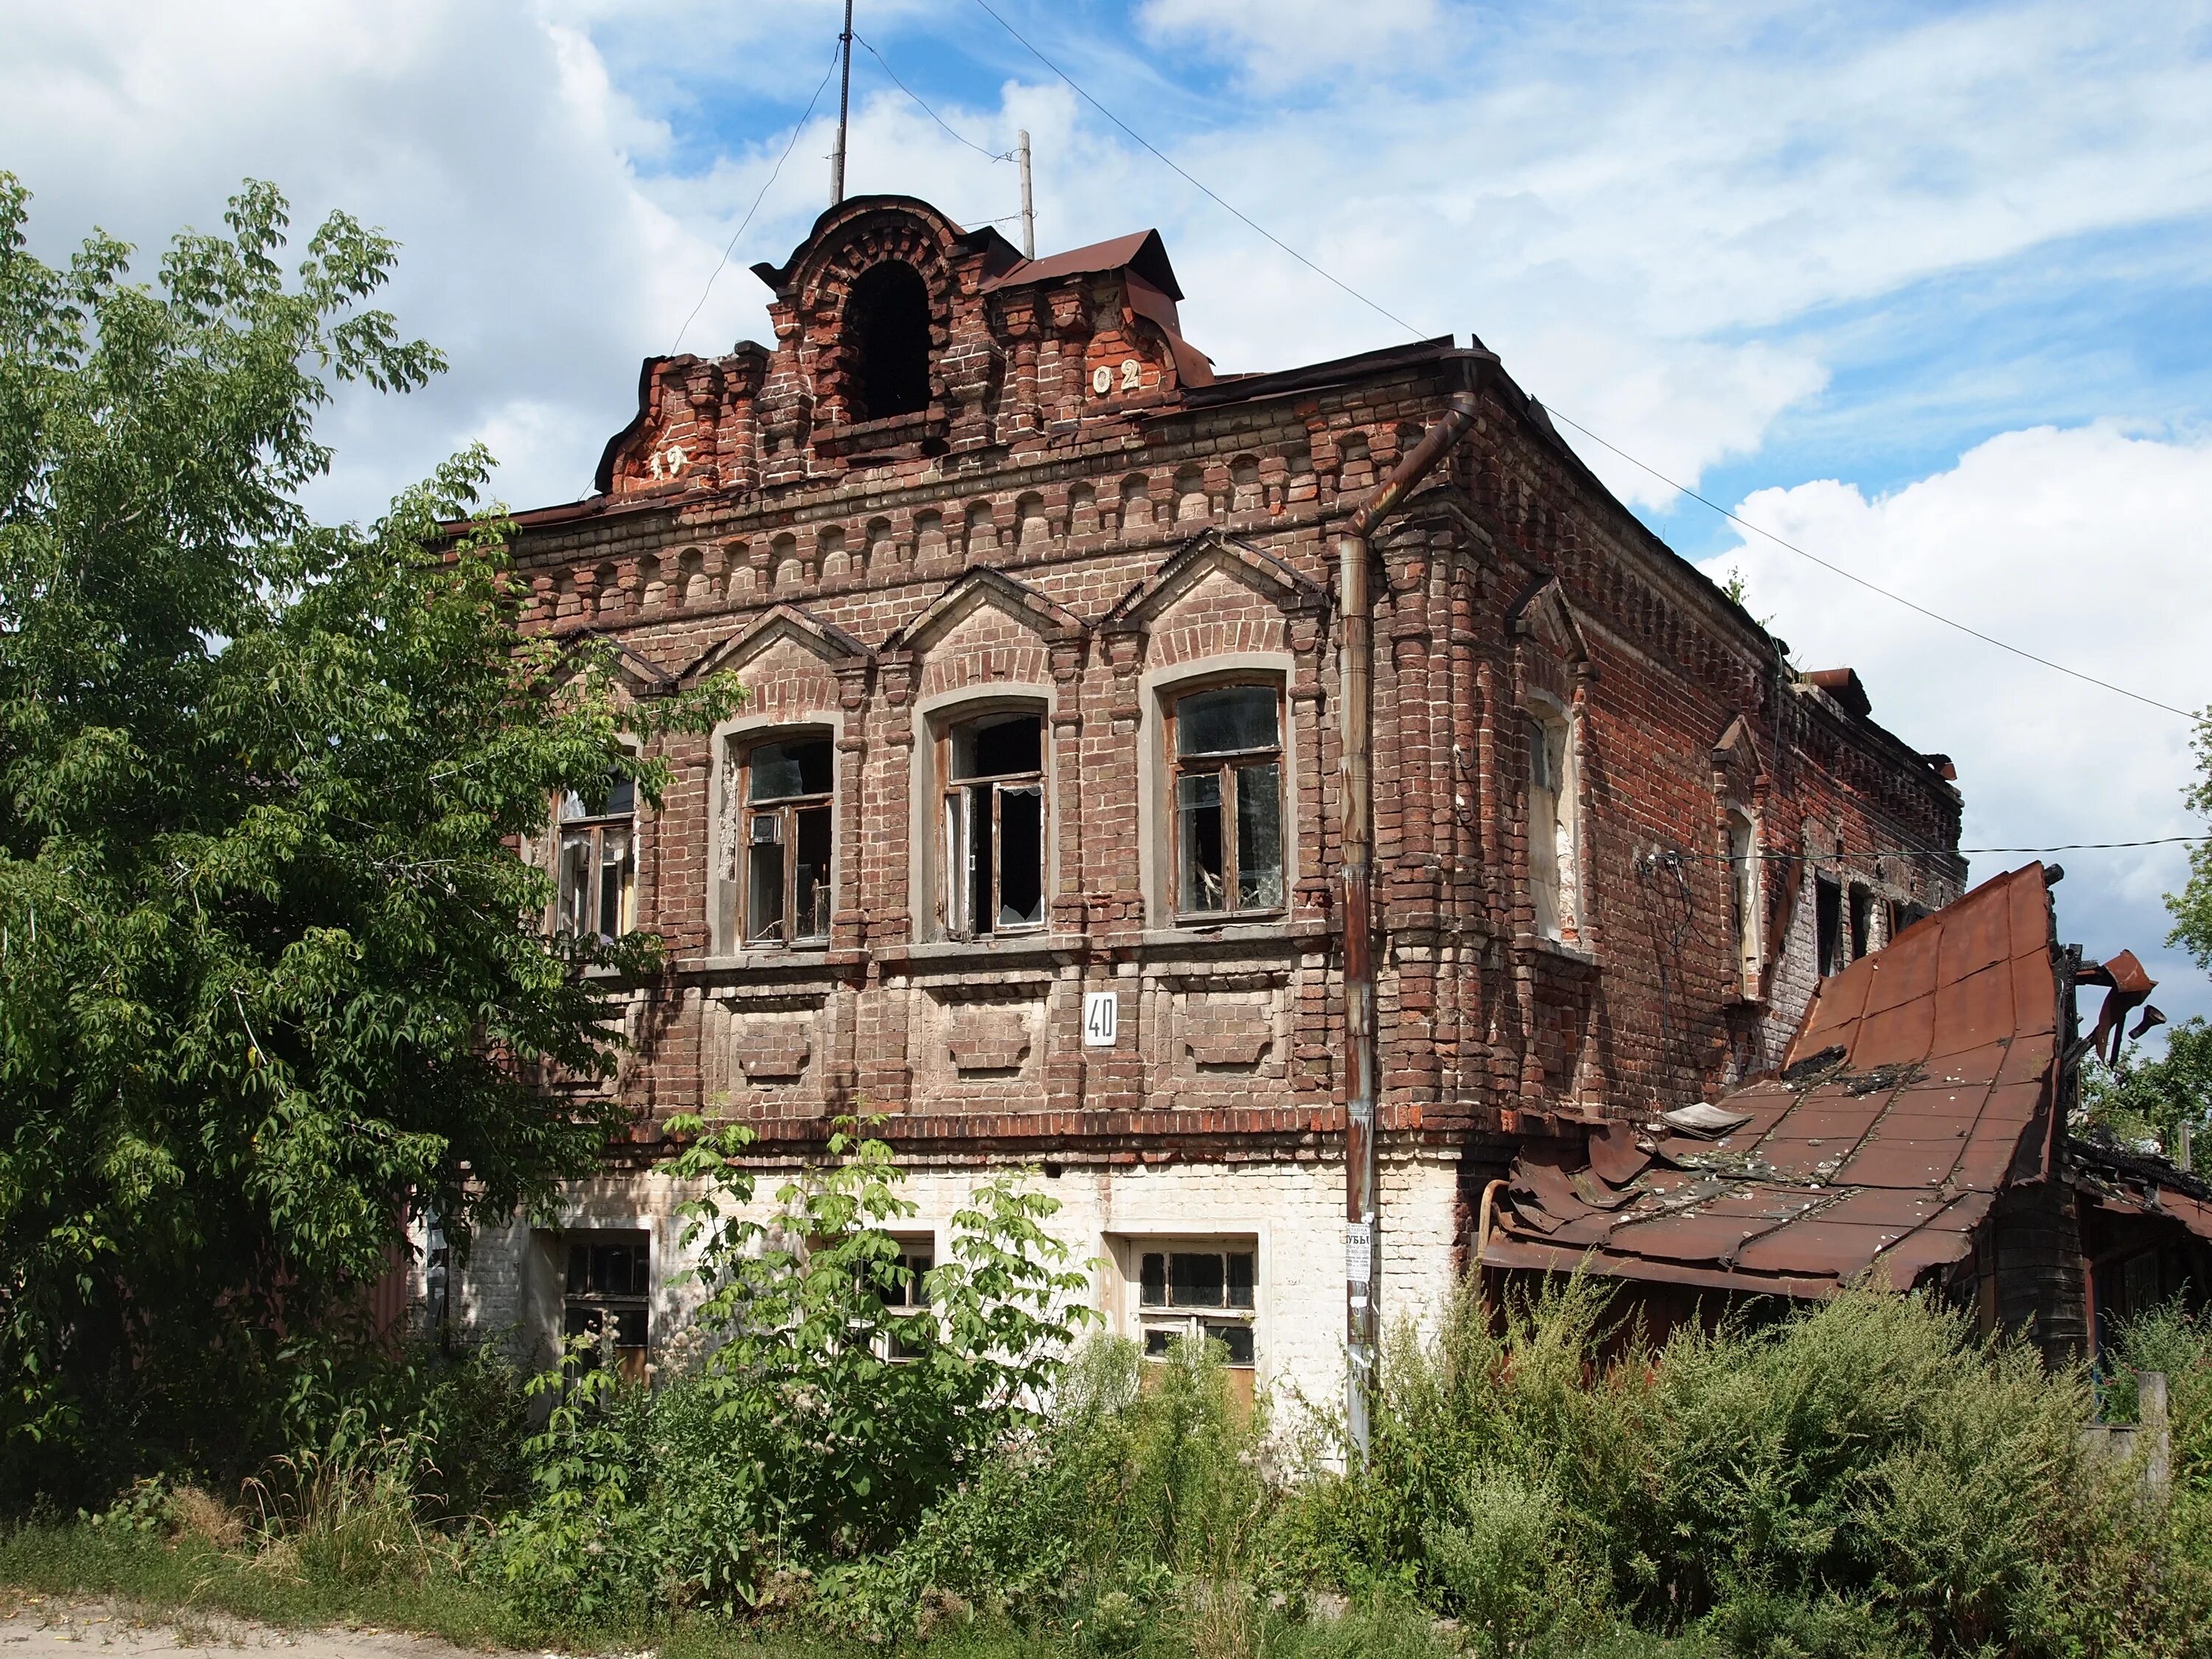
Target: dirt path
(53, 1628)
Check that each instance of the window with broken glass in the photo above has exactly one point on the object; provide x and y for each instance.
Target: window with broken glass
(1743, 895)
(785, 842)
(597, 873)
(1228, 839)
(1554, 862)
(1200, 1289)
(609, 1284)
(993, 826)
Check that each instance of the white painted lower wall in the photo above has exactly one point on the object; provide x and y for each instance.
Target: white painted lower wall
(1293, 1212)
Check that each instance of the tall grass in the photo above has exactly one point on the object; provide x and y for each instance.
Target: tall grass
(1863, 1478)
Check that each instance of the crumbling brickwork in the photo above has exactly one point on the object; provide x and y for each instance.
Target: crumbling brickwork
(1082, 526)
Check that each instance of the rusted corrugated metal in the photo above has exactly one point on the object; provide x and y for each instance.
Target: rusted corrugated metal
(1922, 1082)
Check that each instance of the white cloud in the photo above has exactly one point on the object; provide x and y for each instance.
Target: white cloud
(1286, 42)
(2085, 545)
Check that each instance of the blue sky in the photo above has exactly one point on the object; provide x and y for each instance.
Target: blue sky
(1924, 287)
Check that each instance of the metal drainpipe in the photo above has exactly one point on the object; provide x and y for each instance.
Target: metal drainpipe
(1356, 771)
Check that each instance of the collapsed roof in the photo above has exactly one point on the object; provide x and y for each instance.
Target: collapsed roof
(1923, 1080)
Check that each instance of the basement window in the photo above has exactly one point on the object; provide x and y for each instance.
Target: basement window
(993, 826)
(596, 874)
(907, 1295)
(886, 343)
(610, 1280)
(1204, 1288)
(787, 837)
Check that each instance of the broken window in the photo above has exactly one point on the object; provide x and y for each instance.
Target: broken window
(1228, 783)
(787, 841)
(886, 340)
(1204, 1289)
(596, 874)
(1862, 917)
(1744, 898)
(609, 1284)
(994, 826)
(1828, 925)
(1554, 860)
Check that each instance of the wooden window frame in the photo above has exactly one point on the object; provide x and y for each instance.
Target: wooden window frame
(1228, 766)
(785, 811)
(1169, 1318)
(593, 829)
(955, 878)
(579, 1305)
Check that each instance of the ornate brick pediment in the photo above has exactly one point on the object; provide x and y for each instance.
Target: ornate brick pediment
(636, 674)
(832, 644)
(980, 588)
(1738, 767)
(1205, 555)
(1543, 617)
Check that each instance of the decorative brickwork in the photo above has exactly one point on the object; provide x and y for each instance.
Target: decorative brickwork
(1082, 523)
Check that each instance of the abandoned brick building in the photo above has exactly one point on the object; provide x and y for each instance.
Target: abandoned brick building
(1037, 616)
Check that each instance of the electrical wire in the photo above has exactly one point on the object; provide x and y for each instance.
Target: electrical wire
(1383, 311)
(1929, 852)
(798, 128)
(991, 155)
(1872, 587)
(1194, 183)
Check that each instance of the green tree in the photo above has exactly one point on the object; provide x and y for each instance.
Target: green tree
(273, 979)
(2149, 1099)
(2192, 905)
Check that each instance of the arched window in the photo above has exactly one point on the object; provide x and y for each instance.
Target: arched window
(1555, 826)
(1744, 887)
(887, 342)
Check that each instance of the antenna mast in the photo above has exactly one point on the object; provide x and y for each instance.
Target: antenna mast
(844, 105)
(1029, 209)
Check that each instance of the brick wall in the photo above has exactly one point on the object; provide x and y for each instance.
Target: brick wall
(1084, 545)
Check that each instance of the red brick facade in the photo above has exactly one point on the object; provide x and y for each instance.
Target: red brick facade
(1084, 521)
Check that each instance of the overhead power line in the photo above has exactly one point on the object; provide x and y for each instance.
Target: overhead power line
(799, 127)
(1871, 587)
(1196, 185)
(1383, 311)
(1929, 852)
(959, 137)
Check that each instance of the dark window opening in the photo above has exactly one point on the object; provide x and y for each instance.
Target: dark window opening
(1228, 840)
(787, 839)
(994, 826)
(609, 1282)
(1862, 921)
(1828, 925)
(887, 342)
(596, 868)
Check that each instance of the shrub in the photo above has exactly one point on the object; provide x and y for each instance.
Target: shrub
(1538, 1463)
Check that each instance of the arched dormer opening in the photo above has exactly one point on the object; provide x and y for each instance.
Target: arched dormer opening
(887, 342)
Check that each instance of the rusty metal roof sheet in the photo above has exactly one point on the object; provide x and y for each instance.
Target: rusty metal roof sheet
(1142, 251)
(1920, 1083)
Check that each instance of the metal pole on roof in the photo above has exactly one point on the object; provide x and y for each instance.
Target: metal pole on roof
(844, 107)
(1029, 208)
